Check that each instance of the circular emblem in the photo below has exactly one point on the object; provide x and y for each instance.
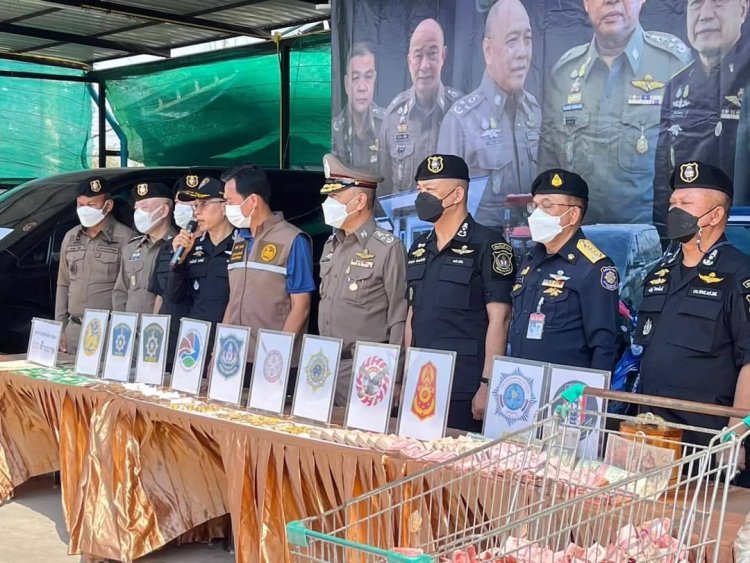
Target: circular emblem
(273, 365)
(372, 381)
(141, 189)
(92, 335)
(189, 350)
(228, 362)
(317, 370)
(514, 396)
(268, 253)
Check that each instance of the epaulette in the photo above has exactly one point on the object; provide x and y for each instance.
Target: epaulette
(451, 93)
(590, 251)
(385, 237)
(398, 101)
(570, 54)
(467, 103)
(338, 123)
(668, 42)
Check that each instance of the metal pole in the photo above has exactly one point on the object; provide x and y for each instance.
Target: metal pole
(102, 125)
(285, 105)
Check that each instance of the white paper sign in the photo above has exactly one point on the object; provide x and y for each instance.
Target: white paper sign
(228, 365)
(190, 355)
(152, 349)
(562, 377)
(516, 391)
(316, 378)
(373, 381)
(44, 342)
(120, 346)
(91, 342)
(425, 398)
(273, 354)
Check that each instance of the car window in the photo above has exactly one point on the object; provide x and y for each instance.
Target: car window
(739, 236)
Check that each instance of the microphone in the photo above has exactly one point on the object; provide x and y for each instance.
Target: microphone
(192, 226)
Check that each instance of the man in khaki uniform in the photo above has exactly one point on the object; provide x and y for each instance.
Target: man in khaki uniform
(270, 265)
(362, 270)
(89, 260)
(152, 218)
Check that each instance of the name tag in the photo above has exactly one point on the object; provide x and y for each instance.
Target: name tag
(536, 326)
(572, 107)
(238, 251)
(714, 294)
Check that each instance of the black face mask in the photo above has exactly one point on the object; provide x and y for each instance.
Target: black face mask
(681, 225)
(429, 207)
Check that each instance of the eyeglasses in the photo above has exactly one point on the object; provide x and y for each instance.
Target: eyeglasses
(547, 205)
(200, 205)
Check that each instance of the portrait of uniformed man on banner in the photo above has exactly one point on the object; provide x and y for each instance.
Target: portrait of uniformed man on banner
(602, 105)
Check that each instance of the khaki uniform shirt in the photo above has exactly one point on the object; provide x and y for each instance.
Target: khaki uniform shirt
(361, 152)
(131, 292)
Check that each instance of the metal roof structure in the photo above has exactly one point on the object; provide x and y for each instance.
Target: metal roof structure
(79, 33)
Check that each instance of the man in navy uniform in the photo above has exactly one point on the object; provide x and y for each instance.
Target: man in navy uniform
(693, 321)
(459, 277)
(565, 299)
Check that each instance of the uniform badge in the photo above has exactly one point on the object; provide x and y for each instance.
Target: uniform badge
(196, 284)
(502, 259)
(559, 276)
(365, 255)
(556, 180)
(514, 396)
(423, 405)
(268, 253)
(641, 145)
(746, 284)
(229, 361)
(463, 231)
(662, 273)
(191, 181)
(418, 253)
(553, 291)
(121, 336)
(648, 84)
(273, 366)
(463, 250)
(710, 260)
(517, 286)
(526, 270)
(141, 189)
(689, 172)
(435, 164)
(153, 336)
(710, 278)
(92, 336)
(589, 250)
(317, 370)
(647, 326)
(189, 350)
(610, 280)
(657, 281)
(95, 186)
(372, 381)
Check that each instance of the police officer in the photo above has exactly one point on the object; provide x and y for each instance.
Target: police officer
(701, 107)
(152, 218)
(355, 130)
(565, 299)
(200, 281)
(693, 321)
(270, 268)
(89, 260)
(495, 129)
(602, 108)
(742, 153)
(362, 270)
(459, 279)
(412, 121)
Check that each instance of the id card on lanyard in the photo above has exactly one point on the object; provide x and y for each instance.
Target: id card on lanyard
(535, 329)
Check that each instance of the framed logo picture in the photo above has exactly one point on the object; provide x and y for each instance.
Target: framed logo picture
(91, 342)
(229, 362)
(273, 354)
(316, 378)
(120, 346)
(190, 355)
(373, 381)
(152, 349)
(425, 396)
(44, 342)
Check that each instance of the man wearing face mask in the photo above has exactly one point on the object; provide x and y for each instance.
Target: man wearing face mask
(152, 218)
(693, 321)
(270, 268)
(565, 298)
(89, 260)
(459, 279)
(362, 270)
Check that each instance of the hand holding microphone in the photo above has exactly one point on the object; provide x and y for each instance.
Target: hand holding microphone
(183, 243)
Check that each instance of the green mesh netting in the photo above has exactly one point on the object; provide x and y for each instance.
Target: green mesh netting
(44, 124)
(203, 111)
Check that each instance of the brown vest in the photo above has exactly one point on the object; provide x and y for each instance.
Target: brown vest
(258, 296)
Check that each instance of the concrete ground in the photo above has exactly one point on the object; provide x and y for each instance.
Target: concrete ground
(33, 531)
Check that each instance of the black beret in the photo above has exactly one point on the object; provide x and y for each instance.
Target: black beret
(94, 186)
(445, 166)
(340, 176)
(147, 190)
(696, 174)
(559, 181)
(193, 187)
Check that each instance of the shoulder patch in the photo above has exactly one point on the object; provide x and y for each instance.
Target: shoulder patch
(384, 236)
(668, 42)
(590, 251)
(467, 103)
(396, 102)
(502, 258)
(338, 123)
(570, 55)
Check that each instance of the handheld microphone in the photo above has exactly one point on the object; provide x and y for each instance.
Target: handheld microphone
(192, 226)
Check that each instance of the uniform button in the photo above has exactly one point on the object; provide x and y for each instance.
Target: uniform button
(538, 269)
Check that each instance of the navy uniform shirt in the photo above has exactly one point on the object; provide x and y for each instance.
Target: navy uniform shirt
(202, 281)
(577, 292)
(699, 119)
(448, 291)
(693, 323)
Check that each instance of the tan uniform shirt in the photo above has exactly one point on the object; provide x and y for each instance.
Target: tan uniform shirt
(131, 292)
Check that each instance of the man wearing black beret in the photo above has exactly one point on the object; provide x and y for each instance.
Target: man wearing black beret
(693, 321)
(459, 277)
(565, 299)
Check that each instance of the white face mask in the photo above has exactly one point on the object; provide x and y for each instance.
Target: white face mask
(234, 215)
(544, 227)
(90, 216)
(334, 213)
(183, 214)
(145, 220)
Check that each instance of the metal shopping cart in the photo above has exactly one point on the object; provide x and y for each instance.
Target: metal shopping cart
(562, 489)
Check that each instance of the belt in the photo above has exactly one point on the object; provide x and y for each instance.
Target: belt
(75, 320)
